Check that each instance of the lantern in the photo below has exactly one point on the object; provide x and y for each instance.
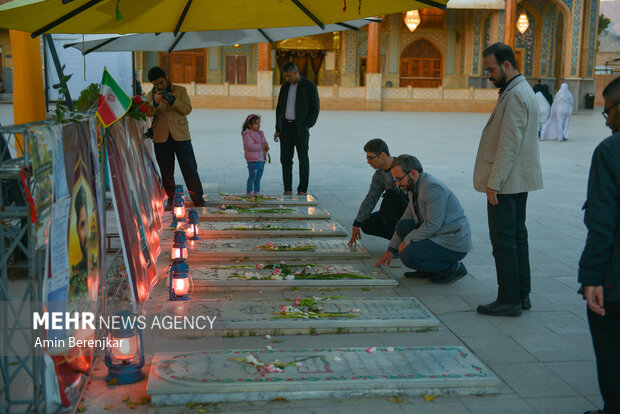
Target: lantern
(180, 280)
(523, 23)
(192, 228)
(178, 191)
(412, 19)
(125, 356)
(178, 211)
(179, 249)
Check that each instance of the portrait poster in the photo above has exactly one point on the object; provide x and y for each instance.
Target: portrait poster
(43, 139)
(75, 249)
(133, 206)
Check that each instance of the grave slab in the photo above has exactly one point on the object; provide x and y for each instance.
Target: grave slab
(259, 213)
(249, 276)
(250, 317)
(257, 250)
(270, 228)
(265, 200)
(212, 376)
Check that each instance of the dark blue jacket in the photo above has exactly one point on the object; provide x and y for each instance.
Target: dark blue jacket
(306, 105)
(600, 260)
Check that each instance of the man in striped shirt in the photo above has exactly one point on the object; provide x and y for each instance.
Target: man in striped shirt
(433, 235)
(383, 222)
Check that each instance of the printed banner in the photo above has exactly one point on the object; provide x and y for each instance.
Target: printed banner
(138, 197)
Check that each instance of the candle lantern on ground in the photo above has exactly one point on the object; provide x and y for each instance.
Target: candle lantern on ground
(193, 227)
(125, 357)
(179, 249)
(180, 280)
(178, 191)
(178, 211)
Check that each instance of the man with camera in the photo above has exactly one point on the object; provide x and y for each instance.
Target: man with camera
(169, 106)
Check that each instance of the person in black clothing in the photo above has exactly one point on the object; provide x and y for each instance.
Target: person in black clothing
(296, 112)
(381, 223)
(599, 267)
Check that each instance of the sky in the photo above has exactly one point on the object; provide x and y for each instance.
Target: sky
(611, 9)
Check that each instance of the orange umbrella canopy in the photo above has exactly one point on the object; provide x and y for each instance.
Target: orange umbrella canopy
(155, 16)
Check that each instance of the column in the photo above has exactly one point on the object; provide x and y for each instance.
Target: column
(264, 79)
(393, 55)
(373, 68)
(510, 23)
(28, 95)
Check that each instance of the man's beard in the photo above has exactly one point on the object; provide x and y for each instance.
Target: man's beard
(501, 81)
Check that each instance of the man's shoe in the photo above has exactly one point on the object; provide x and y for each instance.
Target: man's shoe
(525, 303)
(301, 193)
(500, 309)
(420, 275)
(199, 203)
(288, 193)
(459, 273)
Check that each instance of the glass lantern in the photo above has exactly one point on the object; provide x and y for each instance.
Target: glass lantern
(193, 227)
(179, 248)
(125, 356)
(180, 280)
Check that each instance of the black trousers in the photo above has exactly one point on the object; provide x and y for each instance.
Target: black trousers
(510, 248)
(605, 332)
(290, 139)
(383, 222)
(165, 152)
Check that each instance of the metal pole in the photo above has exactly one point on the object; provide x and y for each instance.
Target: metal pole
(59, 71)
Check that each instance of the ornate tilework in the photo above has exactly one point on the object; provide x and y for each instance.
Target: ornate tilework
(550, 71)
(569, 4)
(546, 34)
(487, 32)
(502, 19)
(350, 51)
(437, 37)
(526, 41)
(592, 34)
(574, 55)
(476, 56)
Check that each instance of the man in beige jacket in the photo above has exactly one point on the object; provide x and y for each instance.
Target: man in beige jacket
(169, 106)
(507, 168)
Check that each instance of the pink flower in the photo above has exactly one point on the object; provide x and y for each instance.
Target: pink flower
(223, 207)
(260, 265)
(284, 308)
(276, 271)
(269, 243)
(272, 368)
(297, 301)
(371, 349)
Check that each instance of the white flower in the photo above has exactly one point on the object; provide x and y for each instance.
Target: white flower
(268, 348)
(300, 364)
(290, 277)
(267, 336)
(337, 359)
(272, 368)
(389, 349)
(371, 349)
(355, 310)
(251, 360)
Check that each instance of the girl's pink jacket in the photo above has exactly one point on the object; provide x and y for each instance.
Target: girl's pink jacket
(253, 145)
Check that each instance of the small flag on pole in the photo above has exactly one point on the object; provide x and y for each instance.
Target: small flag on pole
(113, 101)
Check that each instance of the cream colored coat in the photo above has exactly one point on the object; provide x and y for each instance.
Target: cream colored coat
(173, 118)
(508, 160)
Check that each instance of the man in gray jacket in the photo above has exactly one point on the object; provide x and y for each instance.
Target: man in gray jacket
(507, 168)
(433, 234)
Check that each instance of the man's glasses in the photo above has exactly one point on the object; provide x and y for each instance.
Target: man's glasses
(371, 158)
(400, 179)
(607, 110)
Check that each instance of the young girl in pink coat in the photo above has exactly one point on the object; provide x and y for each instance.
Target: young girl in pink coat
(256, 148)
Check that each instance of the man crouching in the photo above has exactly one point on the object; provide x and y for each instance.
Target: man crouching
(433, 234)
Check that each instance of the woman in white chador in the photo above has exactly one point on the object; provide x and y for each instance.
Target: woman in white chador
(560, 119)
(543, 111)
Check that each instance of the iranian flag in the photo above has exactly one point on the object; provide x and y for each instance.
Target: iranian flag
(113, 101)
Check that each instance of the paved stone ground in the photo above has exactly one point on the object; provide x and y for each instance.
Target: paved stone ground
(544, 358)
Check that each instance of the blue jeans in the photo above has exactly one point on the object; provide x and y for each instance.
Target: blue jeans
(255, 169)
(425, 255)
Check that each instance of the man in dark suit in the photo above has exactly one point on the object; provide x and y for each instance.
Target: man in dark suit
(296, 113)
(599, 267)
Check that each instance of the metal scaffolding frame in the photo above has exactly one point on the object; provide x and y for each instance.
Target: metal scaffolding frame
(22, 377)
(19, 359)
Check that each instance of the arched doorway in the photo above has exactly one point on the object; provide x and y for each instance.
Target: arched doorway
(306, 52)
(421, 65)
